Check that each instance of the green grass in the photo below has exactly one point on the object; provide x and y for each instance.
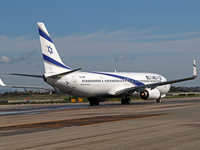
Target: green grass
(60, 98)
(182, 96)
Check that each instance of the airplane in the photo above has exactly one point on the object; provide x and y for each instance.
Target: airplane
(94, 85)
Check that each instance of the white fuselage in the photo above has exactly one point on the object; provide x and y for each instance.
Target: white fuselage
(105, 84)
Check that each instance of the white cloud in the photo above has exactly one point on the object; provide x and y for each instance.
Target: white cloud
(23, 57)
(181, 35)
(100, 43)
(112, 43)
(76, 48)
(5, 59)
(124, 57)
(18, 44)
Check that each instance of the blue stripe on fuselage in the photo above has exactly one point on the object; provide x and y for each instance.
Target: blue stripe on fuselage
(47, 58)
(121, 77)
(44, 35)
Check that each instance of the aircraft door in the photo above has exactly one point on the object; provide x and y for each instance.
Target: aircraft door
(74, 81)
(102, 81)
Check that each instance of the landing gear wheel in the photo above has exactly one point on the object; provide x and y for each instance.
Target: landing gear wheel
(128, 101)
(123, 101)
(91, 103)
(158, 100)
(94, 102)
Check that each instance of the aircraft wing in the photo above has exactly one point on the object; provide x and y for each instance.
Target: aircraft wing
(154, 85)
(20, 86)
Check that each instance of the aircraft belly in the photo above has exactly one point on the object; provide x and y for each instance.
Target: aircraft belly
(79, 90)
(91, 91)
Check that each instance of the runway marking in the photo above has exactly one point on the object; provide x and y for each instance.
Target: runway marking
(77, 122)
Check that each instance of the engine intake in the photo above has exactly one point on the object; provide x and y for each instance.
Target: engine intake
(150, 94)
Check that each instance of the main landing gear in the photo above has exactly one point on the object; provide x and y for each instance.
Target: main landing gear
(93, 102)
(126, 101)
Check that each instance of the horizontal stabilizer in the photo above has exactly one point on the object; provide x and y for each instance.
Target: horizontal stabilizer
(63, 74)
(21, 86)
(26, 75)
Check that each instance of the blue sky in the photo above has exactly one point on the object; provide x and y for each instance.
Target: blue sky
(127, 35)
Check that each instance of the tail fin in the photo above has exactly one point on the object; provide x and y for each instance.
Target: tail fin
(52, 60)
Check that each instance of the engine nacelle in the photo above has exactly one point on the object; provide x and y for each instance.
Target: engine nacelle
(150, 94)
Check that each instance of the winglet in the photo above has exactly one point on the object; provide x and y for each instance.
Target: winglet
(1, 83)
(194, 69)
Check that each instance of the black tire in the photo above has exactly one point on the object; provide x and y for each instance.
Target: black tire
(91, 103)
(96, 102)
(128, 101)
(158, 100)
(123, 101)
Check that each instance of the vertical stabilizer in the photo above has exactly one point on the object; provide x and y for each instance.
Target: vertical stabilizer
(52, 60)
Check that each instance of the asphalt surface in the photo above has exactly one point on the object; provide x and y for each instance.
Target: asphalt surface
(172, 124)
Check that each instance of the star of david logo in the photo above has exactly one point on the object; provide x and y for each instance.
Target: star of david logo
(50, 50)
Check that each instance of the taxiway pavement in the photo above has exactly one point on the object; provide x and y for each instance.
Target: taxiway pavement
(141, 125)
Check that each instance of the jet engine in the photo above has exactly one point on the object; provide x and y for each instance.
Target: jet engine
(150, 94)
